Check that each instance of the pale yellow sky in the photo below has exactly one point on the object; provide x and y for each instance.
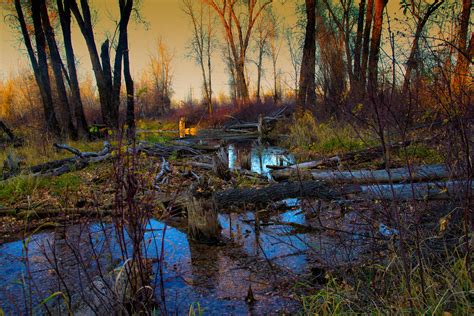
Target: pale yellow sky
(166, 20)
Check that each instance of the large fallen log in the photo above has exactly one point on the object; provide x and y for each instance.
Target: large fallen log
(324, 191)
(418, 191)
(278, 192)
(418, 173)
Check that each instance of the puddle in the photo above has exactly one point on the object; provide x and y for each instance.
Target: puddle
(262, 252)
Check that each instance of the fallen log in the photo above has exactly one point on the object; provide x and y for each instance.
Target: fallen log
(418, 173)
(418, 191)
(278, 192)
(324, 191)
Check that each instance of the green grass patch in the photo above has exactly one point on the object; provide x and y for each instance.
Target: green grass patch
(420, 153)
(323, 139)
(20, 187)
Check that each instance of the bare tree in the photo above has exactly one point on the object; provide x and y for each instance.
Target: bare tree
(261, 38)
(39, 63)
(421, 16)
(161, 72)
(202, 43)
(274, 45)
(104, 86)
(240, 26)
(108, 85)
(294, 49)
(307, 90)
(56, 64)
(64, 12)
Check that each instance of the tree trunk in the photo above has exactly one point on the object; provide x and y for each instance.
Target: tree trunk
(49, 114)
(259, 73)
(203, 222)
(379, 6)
(465, 49)
(358, 41)
(307, 93)
(56, 64)
(65, 19)
(366, 43)
(43, 79)
(84, 21)
(130, 119)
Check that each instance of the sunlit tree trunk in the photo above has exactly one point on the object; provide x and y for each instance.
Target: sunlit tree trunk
(40, 66)
(379, 6)
(307, 93)
(464, 46)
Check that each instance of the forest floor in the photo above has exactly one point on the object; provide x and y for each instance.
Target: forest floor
(343, 269)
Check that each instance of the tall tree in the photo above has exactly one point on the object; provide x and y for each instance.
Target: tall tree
(366, 42)
(126, 9)
(358, 40)
(421, 16)
(84, 20)
(464, 45)
(56, 65)
(64, 12)
(379, 7)
(307, 90)
(239, 25)
(261, 38)
(108, 85)
(202, 43)
(39, 65)
(294, 49)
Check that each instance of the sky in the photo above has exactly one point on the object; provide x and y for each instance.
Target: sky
(166, 20)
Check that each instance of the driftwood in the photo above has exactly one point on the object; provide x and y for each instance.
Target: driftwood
(160, 150)
(61, 166)
(160, 176)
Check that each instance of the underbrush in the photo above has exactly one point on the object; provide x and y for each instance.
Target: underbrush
(381, 290)
(308, 138)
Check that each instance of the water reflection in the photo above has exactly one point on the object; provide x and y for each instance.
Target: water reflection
(260, 157)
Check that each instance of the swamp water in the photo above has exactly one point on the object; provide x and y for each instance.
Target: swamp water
(265, 253)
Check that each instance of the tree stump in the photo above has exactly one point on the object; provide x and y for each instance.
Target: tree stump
(220, 164)
(203, 222)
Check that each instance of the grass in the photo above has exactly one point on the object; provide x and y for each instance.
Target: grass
(19, 188)
(308, 138)
(381, 289)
